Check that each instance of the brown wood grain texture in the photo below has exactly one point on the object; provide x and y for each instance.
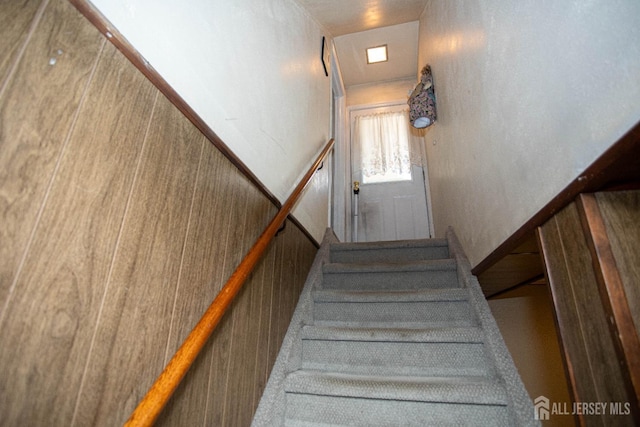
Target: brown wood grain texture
(217, 391)
(201, 280)
(265, 290)
(277, 309)
(621, 213)
(233, 385)
(259, 304)
(281, 314)
(37, 110)
(239, 243)
(134, 326)
(43, 321)
(223, 335)
(155, 400)
(582, 322)
(69, 261)
(17, 22)
(100, 243)
(612, 293)
(598, 344)
(547, 242)
(566, 317)
(293, 263)
(240, 374)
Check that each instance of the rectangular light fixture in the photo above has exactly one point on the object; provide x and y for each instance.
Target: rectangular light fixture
(377, 54)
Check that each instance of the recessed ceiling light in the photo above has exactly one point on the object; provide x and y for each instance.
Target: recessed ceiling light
(377, 54)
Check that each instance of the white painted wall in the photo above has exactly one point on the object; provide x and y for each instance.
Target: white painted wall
(529, 94)
(375, 93)
(252, 71)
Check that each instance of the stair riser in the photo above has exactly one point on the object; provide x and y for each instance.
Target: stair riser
(396, 358)
(339, 295)
(390, 314)
(330, 410)
(393, 333)
(389, 255)
(436, 279)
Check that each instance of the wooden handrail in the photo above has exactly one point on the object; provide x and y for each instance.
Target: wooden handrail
(161, 391)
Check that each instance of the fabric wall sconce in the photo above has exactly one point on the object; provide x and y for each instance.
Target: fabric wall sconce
(422, 102)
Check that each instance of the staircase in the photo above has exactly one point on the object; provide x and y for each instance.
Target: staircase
(393, 334)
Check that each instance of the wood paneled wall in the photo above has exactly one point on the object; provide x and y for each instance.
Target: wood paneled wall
(620, 211)
(119, 223)
(593, 339)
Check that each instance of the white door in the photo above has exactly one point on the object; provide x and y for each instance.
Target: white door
(393, 210)
(392, 202)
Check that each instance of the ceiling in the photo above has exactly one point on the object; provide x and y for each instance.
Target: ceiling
(359, 24)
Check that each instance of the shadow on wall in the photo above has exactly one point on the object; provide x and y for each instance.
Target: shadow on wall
(525, 318)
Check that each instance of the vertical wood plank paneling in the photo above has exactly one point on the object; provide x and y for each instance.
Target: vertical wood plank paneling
(565, 308)
(52, 317)
(588, 346)
(593, 321)
(306, 252)
(223, 336)
(266, 295)
(17, 18)
(250, 229)
(614, 299)
(277, 304)
(241, 374)
(287, 277)
(217, 380)
(126, 223)
(200, 282)
(290, 279)
(258, 308)
(621, 213)
(36, 113)
(133, 329)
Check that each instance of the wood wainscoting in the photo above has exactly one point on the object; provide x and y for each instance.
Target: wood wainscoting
(119, 223)
(591, 251)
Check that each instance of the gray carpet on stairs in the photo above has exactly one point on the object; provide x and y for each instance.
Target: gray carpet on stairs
(393, 334)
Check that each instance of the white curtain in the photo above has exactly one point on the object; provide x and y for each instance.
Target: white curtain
(383, 145)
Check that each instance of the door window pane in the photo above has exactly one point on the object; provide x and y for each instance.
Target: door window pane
(383, 139)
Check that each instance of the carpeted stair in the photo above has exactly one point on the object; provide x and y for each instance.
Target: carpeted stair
(393, 334)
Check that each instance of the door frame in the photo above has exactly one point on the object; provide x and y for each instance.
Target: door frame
(349, 172)
(340, 187)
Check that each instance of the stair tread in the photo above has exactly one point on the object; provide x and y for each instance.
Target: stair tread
(422, 335)
(467, 390)
(394, 331)
(420, 295)
(390, 267)
(391, 244)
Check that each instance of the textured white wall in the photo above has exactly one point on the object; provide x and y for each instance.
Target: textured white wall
(374, 93)
(529, 94)
(252, 71)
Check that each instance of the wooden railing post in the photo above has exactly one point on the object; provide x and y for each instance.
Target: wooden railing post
(161, 391)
